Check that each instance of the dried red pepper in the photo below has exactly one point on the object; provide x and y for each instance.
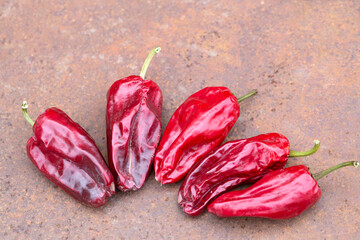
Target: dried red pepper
(234, 163)
(198, 126)
(133, 127)
(281, 194)
(66, 154)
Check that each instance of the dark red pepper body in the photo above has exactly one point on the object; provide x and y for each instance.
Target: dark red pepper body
(280, 194)
(198, 126)
(66, 154)
(229, 165)
(133, 126)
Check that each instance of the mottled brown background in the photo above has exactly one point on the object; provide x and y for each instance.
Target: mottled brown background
(302, 56)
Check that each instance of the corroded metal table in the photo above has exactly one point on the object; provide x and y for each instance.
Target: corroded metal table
(302, 56)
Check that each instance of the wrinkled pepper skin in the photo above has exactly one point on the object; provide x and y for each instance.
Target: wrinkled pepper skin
(66, 154)
(133, 126)
(198, 126)
(233, 163)
(281, 194)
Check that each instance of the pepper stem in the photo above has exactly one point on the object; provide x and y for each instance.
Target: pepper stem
(148, 60)
(306, 153)
(325, 172)
(26, 115)
(240, 99)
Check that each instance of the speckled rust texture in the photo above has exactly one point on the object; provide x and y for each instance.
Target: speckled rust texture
(302, 56)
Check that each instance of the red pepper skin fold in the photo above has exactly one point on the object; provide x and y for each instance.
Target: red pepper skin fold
(233, 163)
(198, 126)
(281, 194)
(133, 126)
(66, 154)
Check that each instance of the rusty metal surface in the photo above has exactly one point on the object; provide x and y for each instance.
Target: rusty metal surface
(302, 56)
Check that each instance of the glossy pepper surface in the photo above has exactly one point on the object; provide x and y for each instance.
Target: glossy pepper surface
(66, 154)
(133, 127)
(281, 194)
(234, 163)
(198, 126)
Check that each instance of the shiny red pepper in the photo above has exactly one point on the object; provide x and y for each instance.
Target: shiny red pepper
(133, 127)
(66, 154)
(280, 194)
(198, 126)
(234, 163)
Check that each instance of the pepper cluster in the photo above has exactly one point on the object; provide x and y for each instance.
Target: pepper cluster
(190, 147)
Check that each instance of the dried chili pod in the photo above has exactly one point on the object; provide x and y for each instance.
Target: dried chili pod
(198, 126)
(66, 154)
(281, 194)
(234, 163)
(133, 127)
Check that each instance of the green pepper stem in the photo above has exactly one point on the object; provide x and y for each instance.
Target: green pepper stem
(306, 153)
(26, 115)
(325, 172)
(253, 92)
(148, 60)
